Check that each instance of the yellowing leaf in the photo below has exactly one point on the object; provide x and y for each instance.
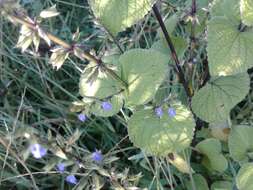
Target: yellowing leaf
(181, 164)
(220, 130)
(50, 12)
(25, 38)
(58, 57)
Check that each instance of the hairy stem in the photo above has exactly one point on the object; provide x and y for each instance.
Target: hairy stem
(173, 51)
(66, 45)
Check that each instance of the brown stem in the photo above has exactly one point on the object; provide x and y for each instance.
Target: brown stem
(173, 51)
(64, 44)
(193, 25)
(53, 38)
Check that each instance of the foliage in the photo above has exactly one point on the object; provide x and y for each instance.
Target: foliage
(161, 102)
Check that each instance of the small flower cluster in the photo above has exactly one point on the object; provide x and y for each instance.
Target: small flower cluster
(159, 112)
(38, 152)
(106, 106)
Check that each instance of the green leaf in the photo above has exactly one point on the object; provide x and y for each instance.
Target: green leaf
(229, 48)
(213, 160)
(246, 8)
(240, 142)
(180, 46)
(222, 185)
(229, 9)
(117, 104)
(170, 25)
(199, 181)
(144, 71)
(214, 101)
(117, 15)
(160, 136)
(244, 178)
(95, 83)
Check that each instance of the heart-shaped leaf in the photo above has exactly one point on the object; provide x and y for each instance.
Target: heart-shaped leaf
(214, 101)
(117, 15)
(144, 71)
(229, 47)
(240, 142)
(162, 135)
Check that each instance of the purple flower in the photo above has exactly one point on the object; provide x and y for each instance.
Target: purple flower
(106, 106)
(194, 61)
(97, 156)
(38, 151)
(60, 167)
(159, 111)
(71, 179)
(172, 112)
(82, 117)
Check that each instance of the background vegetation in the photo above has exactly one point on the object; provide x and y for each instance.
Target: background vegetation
(35, 103)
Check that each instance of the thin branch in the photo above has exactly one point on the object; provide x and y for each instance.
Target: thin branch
(58, 41)
(193, 26)
(173, 51)
(115, 41)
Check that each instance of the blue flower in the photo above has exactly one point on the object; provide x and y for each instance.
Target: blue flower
(106, 106)
(82, 117)
(38, 151)
(60, 167)
(97, 156)
(172, 112)
(71, 179)
(159, 111)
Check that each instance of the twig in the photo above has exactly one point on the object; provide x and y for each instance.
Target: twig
(173, 51)
(115, 41)
(193, 25)
(84, 55)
